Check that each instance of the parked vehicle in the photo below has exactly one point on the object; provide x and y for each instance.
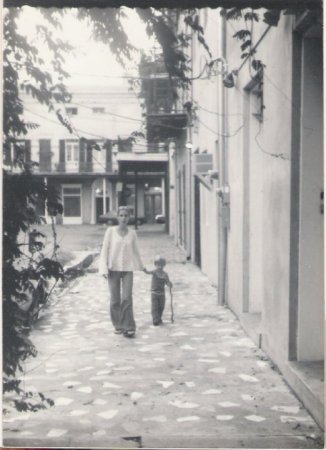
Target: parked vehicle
(160, 218)
(110, 218)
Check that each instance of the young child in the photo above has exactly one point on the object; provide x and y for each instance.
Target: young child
(159, 279)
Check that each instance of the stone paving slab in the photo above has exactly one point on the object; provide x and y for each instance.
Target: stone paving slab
(199, 382)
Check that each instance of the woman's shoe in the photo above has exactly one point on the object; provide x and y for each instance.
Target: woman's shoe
(118, 331)
(129, 334)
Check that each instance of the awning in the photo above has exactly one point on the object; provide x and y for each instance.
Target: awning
(143, 167)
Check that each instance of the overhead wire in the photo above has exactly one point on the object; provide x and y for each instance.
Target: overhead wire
(246, 98)
(76, 132)
(178, 128)
(218, 114)
(295, 106)
(274, 155)
(77, 129)
(108, 113)
(221, 134)
(98, 135)
(91, 153)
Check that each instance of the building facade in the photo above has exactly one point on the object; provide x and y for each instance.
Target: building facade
(92, 161)
(246, 181)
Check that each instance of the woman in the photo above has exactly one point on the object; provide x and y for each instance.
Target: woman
(118, 259)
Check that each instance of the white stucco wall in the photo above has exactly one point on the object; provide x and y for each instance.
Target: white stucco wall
(236, 181)
(209, 234)
(205, 136)
(122, 116)
(252, 155)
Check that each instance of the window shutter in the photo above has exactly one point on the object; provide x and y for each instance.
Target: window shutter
(82, 146)
(62, 155)
(45, 155)
(108, 156)
(90, 151)
(7, 154)
(27, 150)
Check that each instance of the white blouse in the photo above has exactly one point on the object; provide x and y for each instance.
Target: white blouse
(119, 253)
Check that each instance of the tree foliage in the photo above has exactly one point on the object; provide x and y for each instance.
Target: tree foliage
(26, 272)
(270, 16)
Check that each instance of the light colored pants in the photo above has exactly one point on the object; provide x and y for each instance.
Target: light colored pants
(122, 316)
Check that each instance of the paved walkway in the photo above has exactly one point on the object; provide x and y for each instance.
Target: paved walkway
(199, 382)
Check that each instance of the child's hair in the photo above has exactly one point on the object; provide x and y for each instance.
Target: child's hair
(123, 208)
(159, 260)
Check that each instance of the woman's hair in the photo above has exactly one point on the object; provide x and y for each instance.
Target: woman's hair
(125, 209)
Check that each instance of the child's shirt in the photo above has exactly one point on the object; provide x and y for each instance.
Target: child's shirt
(159, 280)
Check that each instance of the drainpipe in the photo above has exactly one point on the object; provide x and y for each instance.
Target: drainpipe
(93, 200)
(163, 195)
(226, 197)
(190, 138)
(46, 213)
(136, 200)
(222, 191)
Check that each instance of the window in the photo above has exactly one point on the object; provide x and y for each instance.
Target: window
(255, 89)
(71, 201)
(45, 155)
(72, 151)
(98, 110)
(19, 151)
(71, 111)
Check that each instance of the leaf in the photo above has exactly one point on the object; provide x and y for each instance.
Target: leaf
(49, 268)
(233, 13)
(50, 402)
(246, 44)
(272, 17)
(242, 34)
(252, 16)
(257, 64)
(32, 125)
(65, 122)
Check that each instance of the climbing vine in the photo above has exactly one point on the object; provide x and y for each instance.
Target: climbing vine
(244, 36)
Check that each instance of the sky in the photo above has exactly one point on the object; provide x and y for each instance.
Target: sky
(91, 62)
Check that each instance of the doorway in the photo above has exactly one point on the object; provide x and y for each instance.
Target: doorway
(72, 204)
(99, 207)
(309, 343)
(153, 206)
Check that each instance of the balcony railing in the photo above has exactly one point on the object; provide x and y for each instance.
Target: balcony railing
(157, 147)
(86, 166)
(77, 167)
(163, 126)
